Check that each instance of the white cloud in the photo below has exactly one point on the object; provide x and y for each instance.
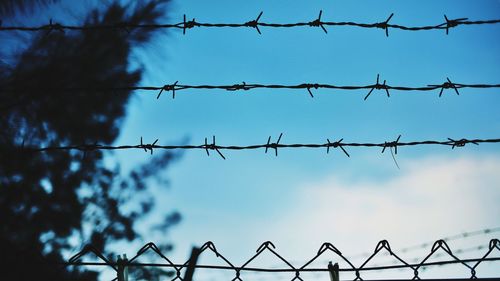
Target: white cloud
(430, 199)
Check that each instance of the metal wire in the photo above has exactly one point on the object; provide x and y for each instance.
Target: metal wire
(269, 145)
(439, 246)
(426, 245)
(175, 88)
(415, 260)
(382, 246)
(253, 24)
(455, 237)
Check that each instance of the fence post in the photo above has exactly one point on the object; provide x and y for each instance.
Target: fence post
(195, 252)
(334, 271)
(121, 268)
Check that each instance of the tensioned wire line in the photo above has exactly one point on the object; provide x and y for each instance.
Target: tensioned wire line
(254, 23)
(340, 144)
(176, 87)
(454, 237)
(276, 270)
(425, 245)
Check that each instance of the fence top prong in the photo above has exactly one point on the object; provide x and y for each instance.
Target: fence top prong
(122, 263)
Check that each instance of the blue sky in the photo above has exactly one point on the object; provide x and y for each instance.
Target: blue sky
(252, 197)
(306, 197)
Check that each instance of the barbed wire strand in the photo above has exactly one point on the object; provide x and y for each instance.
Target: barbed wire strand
(439, 245)
(176, 87)
(269, 145)
(454, 237)
(253, 24)
(415, 260)
(425, 245)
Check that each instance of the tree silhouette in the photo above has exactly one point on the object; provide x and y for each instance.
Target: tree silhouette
(11, 7)
(48, 198)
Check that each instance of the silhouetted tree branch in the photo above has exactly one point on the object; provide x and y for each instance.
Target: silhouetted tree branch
(47, 198)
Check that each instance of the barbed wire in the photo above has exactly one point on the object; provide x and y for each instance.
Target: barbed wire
(415, 260)
(439, 246)
(150, 147)
(176, 87)
(425, 245)
(454, 237)
(475, 248)
(256, 24)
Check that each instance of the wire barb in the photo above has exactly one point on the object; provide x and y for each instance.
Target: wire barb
(171, 87)
(453, 23)
(147, 147)
(53, 26)
(212, 146)
(392, 144)
(318, 23)
(254, 23)
(446, 85)
(378, 86)
(273, 145)
(309, 86)
(385, 25)
(335, 145)
(460, 143)
(188, 24)
(237, 87)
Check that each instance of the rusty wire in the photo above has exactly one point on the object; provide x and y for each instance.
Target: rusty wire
(255, 23)
(340, 144)
(438, 247)
(176, 87)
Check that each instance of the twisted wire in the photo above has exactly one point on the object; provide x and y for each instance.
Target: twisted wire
(256, 24)
(439, 246)
(176, 87)
(425, 245)
(454, 237)
(340, 144)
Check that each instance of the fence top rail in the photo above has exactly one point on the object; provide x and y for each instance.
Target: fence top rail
(439, 246)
